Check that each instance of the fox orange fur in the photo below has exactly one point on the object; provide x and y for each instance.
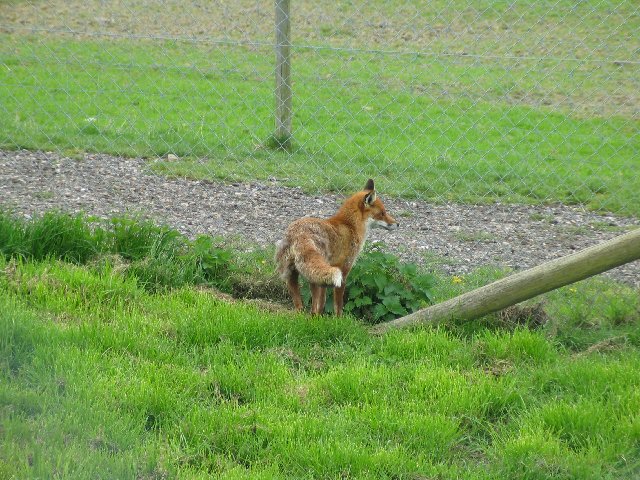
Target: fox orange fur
(324, 250)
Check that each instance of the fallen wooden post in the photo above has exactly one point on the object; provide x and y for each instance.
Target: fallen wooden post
(527, 284)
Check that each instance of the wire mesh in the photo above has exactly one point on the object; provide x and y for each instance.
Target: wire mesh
(450, 100)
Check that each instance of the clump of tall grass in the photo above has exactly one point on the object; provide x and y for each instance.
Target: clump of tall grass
(57, 235)
(158, 256)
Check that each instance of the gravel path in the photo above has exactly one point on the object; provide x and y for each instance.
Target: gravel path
(458, 238)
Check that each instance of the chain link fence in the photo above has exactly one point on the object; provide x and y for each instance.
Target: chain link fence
(452, 100)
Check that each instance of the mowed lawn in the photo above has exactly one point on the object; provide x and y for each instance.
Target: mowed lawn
(441, 128)
(101, 379)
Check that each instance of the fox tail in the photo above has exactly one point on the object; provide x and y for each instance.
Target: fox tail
(305, 257)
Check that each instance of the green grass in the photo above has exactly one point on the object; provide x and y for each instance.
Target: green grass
(105, 374)
(445, 130)
(101, 378)
(53, 234)
(158, 257)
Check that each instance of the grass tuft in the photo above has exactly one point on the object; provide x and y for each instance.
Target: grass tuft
(157, 256)
(54, 234)
(281, 144)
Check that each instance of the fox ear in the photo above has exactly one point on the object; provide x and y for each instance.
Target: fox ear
(369, 198)
(369, 185)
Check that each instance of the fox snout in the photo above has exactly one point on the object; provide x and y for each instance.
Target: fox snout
(385, 221)
(384, 224)
(391, 226)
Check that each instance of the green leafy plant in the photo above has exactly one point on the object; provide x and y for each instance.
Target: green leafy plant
(381, 288)
(171, 260)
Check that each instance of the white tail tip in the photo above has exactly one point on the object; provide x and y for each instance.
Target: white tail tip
(337, 278)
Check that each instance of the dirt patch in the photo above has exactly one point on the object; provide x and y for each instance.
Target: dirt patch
(533, 316)
(604, 346)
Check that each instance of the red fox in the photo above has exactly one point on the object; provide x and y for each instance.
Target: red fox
(323, 251)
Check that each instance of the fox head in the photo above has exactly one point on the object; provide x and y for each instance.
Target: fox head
(374, 211)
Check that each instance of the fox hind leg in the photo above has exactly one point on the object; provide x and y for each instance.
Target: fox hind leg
(338, 293)
(338, 299)
(294, 290)
(318, 298)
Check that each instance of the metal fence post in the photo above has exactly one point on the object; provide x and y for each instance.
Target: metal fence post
(283, 75)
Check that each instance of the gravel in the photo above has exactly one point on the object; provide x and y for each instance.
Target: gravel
(452, 237)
